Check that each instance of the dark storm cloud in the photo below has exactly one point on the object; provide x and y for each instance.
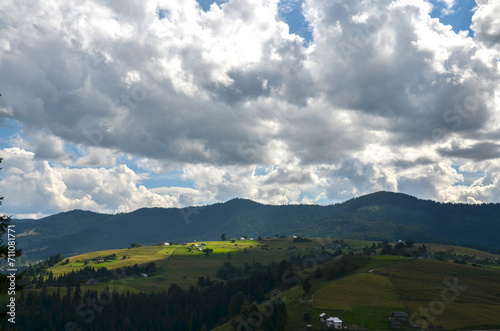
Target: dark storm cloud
(477, 152)
(407, 164)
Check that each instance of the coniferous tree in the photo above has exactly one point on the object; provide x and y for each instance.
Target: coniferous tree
(306, 286)
(77, 297)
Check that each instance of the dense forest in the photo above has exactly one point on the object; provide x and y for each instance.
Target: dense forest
(198, 308)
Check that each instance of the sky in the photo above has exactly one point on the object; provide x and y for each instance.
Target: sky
(113, 106)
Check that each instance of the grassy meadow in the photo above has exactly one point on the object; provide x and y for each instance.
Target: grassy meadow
(455, 296)
(183, 266)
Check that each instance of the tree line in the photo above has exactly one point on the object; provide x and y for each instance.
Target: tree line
(38, 276)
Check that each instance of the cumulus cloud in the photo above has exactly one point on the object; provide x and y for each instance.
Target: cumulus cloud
(486, 24)
(401, 65)
(32, 183)
(354, 178)
(383, 97)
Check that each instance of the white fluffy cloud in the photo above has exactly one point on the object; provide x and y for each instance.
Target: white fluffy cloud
(112, 96)
(30, 182)
(486, 23)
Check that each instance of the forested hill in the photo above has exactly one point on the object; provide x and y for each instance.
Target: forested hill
(377, 216)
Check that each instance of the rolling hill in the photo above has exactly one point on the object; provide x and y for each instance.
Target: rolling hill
(435, 294)
(377, 216)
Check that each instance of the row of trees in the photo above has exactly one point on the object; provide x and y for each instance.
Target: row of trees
(32, 279)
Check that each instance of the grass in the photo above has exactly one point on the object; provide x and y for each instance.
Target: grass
(336, 298)
(140, 255)
(423, 284)
(366, 300)
(364, 289)
(459, 250)
(384, 260)
(182, 266)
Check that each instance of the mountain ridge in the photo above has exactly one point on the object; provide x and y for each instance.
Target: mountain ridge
(375, 216)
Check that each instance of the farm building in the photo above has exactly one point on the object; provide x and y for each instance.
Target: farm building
(331, 322)
(399, 315)
(323, 317)
(334, 322)
(93, 282)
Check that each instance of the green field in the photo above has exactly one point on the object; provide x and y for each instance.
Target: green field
(360, 290)
(459, 250)
(183, 266)
(455, 296)
(140, 255)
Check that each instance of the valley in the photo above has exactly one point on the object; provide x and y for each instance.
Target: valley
(362, 296)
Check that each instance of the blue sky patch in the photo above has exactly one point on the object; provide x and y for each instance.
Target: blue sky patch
(163, 13)
(291, 12)
(461, 17)
(205, 4)
(260, 171)
(173, 179)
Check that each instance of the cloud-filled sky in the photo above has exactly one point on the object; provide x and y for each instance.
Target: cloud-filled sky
(112, 106)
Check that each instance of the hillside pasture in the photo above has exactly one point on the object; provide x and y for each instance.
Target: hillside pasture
(431, 248)
(453, 296)
(139, 255)
(184, 264)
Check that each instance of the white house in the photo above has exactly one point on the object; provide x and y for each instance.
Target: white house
(92, 282)
(334, 322)
(167, 244)
(323, 317)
